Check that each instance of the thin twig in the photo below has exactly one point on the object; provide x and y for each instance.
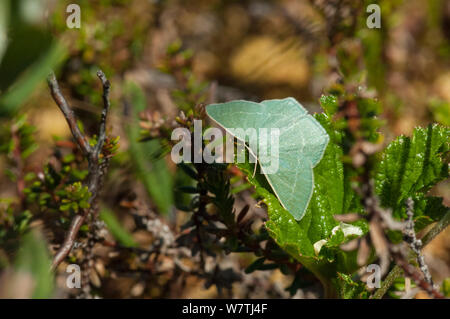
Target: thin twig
(97, 168)
(80, 138)
(397, 271)
(414, 243)
(412, 273)
(437, 229)
(106, 106)
(71, 235)
(402, 262)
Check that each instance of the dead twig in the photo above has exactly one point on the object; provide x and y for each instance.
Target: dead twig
(397, 271)
(414, 243)
(97, 166)
(386, 249)
(69, 115)
(379, 221)
(411, 272)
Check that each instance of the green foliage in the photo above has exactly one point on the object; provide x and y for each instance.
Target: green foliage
(74, 198)
(23, 64)
(211, 193)
(192, 92)
(409, 167)
(116, 229)
(34, 260)
(353, 115)
(446, 287)
(215, 225)
(315, 241)
(13, 227)
(60, 190)
(329, 103)
(349, 289)
(150, 168)
(18, 132)
(328, 197)
(318, 224)
(212, 186)
(91, 45)
(285, 230)
(372, 42)
(398, 288)
(25, 85)
(4, 21)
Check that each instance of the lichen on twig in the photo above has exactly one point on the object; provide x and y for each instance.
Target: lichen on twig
(404, 266)
(414, 243)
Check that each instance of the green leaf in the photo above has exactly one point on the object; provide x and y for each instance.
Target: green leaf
(282, 226)
(188, 170)
(328, 195)
(285, 229)
(349, 289)
(255, 265)
(184, 175)
(446, 287)
(339, 235)
(34, 259)
(64, 207)
(298, 238)
(411, 166)
(329, 103)
(372, 42)
(4, 21)
(427, 209)
(116, 229)
(17, 94)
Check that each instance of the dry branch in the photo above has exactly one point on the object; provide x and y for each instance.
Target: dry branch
(97, 167)
(397, 253)
(414, 243)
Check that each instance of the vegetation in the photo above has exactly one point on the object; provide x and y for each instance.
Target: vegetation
(87, 179)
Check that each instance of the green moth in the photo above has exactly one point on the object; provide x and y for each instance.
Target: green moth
(301, 144)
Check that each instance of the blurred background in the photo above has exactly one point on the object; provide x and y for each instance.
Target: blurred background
(165, 56)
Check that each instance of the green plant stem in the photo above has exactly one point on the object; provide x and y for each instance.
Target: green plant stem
(397, 271)
(437, 229)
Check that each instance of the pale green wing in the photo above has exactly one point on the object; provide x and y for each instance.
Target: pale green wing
(299, 130)
(302, 142)
(293, 184)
